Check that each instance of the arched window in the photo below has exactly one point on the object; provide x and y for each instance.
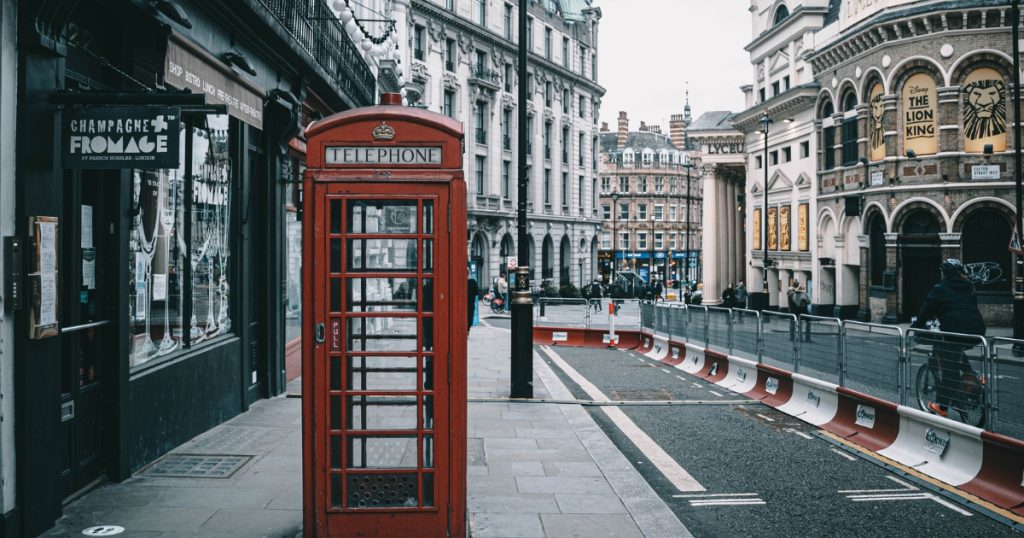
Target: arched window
(565, 261)
(780, 15)
(986, 233)
(547, 268)
(828, 135)
(850, 136)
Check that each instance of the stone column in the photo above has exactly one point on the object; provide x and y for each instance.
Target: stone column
(711, 248)
(864, 312)
(891, 255)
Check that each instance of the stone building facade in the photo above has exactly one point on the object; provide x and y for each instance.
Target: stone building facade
(461, 57)
(915, 161)
(650, 200)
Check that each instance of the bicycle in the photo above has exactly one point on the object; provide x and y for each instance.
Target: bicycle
(488, 297)
(971, 406)
(497, 305)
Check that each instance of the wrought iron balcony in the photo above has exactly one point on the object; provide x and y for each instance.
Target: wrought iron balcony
(481, 136)
(317, 31)
(484, 76)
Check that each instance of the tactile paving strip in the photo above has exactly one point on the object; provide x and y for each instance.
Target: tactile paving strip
(197, 466)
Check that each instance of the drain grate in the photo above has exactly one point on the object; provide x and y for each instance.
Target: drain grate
(197, 466)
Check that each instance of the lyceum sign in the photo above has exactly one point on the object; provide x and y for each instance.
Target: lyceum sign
(122, 137)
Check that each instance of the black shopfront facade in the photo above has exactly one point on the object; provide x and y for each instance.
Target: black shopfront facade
(155, 294)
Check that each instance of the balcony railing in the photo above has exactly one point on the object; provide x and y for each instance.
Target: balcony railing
(506, 142)
(317, 31)
(481, 136)
(418, 54)
(482, 74)
(449, 66)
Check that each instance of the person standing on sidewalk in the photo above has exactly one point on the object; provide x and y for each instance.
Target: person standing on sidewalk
(502, 286)
(953, 302)
(741, 295)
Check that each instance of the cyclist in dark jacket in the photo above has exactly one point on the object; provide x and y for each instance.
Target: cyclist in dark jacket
(953, 303)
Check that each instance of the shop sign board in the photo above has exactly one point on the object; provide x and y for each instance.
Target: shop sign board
(188, 67)
(985, 171)
(142, 137)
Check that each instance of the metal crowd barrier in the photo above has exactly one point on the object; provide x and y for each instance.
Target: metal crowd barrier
(980, 381)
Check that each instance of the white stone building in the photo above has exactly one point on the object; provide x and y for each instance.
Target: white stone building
(780, 178)
(460, 60)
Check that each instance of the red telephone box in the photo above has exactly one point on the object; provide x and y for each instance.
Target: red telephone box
(384, 341)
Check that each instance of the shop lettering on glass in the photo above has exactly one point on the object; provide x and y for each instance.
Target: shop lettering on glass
(122, 137)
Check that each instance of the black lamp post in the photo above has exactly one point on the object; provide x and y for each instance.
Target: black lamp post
(765, 122)
(522, 303)
(615, 237)
(1018, 293)
(650, 276)
(688, 164)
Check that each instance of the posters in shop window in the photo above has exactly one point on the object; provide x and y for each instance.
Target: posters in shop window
(784, 228)
(803, 232)
(773, 228)
(756, 228)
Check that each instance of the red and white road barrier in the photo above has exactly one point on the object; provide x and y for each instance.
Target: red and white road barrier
(1001, 477)
(940, 448)
(812, 401)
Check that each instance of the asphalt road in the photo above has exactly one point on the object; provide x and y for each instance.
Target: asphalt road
(777, 474)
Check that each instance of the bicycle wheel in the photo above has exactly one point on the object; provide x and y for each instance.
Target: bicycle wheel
(487, 299)
(495, 307)
(927, 386)
(971, 409)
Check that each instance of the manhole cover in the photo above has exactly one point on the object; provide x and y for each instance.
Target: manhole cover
(641, 394)
(103, 530)
(197, 466)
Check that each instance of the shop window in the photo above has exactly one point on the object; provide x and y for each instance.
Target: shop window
(161, 256)
(876, 235)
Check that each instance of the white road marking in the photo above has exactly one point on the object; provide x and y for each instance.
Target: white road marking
(679, 377)
(907, 485)
(705, 495)
(664, 370)
(727, 502)
(889, 497)
(769, 419)
(675, 474)
(951, 506)
(716, 393)
(722, 499)
(844, 454)
(908, 492)
(800, 433)
(698, 385)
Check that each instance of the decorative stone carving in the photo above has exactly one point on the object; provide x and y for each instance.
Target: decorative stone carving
(436, 30)
(419, 71)
(507, 101)
(450, 81)
(467, 43)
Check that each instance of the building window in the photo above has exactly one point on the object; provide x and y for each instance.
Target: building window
(775, 88)
(480, 12)
(581, 110)
(547, 140)
(877, 256)
(158, 248)
(624, 184)
(673, 184)
(565, 52)
(580, 150)
(549, 95)
(659, 212)
(785, 83)
(481, 164)
(417, 43)
(506, 179)
(773, 158)
(760, 94)
(850, 131)
(805, 149)
(506, 125)
(828, 144)
(593, 195)
(449, 55)
(593, 68)
(606, 185)
(529, 32)
(641, 240)
(606, 212)
(623, 241)
(449, 104)
(641, 184)
(624, 212)
(564, 142)
(565, 190)
(565, 102)
(641, 211)
(659, 185)
(508, 78)
(672, 213)
(780, 15)
(606, 240)
(529, 86)
(659, 241)
(787, 154)
(547, 43)
(449, 5)
(480, 119)
(547, 187)
(508, 22)
(583, 60)
(579, 193)
(529, 135)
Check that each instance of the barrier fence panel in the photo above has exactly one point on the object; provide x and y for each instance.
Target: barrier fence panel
(1006, 385)
(647, 315)
(719, 328)
(661, 319)
(677, 322)
(746, 334)
(819, 342)
(557, 312)
(697, 324)
(778, 345)
(872, 360)
(627, 317)
(948, 369)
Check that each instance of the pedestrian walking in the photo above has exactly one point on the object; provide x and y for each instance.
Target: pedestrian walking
(594, 292)
(658, 289)
(741, 295)
(729, 296)
(796, 295)
(502, 286)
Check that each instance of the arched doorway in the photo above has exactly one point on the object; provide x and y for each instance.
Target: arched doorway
(478, 260)
(985, 235)
(593, 261)
(920, 256)
(547, 259)
(564, 262)
(531, 258)
(508, 250)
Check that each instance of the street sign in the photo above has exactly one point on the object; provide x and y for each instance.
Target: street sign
(512, 262)
(985, 171)
(877, 178)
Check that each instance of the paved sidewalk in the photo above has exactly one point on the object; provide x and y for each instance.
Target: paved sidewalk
(535, 470)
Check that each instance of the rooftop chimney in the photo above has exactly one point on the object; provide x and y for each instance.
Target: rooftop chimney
(656, 129)
(623, 130)
(643, 126)
(604, 127)
(677, 130)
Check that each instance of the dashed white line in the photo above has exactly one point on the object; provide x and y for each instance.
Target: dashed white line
(844, 454)
(800, 433)
(722, 499)
(720, 395)
(668, 466)
(665, 371)
(729, 502)
(769, 419)
(705, 495)
(697, 385)
(679, 377)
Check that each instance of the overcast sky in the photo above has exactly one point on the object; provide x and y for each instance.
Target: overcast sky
(648, 49)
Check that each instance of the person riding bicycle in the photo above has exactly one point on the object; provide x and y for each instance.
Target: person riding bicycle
(953, 302)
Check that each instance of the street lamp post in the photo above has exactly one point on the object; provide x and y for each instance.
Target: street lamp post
(650, 275)
(615, 237)
(1018, 295)
(522, 304)
(765, 122)
(688, 164)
